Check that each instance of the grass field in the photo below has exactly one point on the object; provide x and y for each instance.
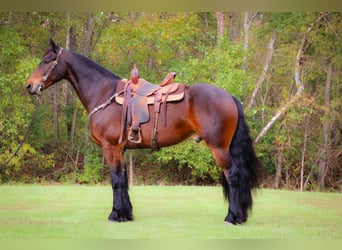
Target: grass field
(80, 212)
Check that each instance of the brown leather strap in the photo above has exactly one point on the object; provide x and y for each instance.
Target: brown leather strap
(165, 105)
(126, 114)
(157, 103)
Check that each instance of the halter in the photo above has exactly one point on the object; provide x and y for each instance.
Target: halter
(54, 64)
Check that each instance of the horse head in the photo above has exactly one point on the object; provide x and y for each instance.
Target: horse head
(49, 70)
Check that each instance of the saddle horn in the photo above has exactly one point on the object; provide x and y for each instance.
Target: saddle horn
(134, 77)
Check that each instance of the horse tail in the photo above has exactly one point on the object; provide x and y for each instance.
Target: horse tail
(245, 169)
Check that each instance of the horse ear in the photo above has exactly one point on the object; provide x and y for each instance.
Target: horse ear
(53, 45)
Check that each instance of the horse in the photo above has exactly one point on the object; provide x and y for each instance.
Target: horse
(206, 113)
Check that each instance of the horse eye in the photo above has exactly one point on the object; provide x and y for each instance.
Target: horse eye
(48, 58)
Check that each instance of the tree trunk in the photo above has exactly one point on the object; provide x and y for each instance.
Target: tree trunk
(279, 165)
(55, 112)
(131, 167)
(85, 52)
(67, 46)
(306, 125)
(89, 34)
(68, 99)
(219, 27)
(323, 163)
(151, 60)
(264, 71)
(245, 49)
(234, 26)
(247, 23)
(73, 126)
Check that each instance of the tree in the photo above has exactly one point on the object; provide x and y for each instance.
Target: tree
(16, 108)
(220, 27)
(298, 82)
(323, 162)
(264, 70)
(285, 67)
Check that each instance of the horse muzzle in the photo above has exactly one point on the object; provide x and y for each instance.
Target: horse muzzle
(35, 89)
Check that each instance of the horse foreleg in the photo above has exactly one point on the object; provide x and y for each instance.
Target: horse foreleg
(122, 206)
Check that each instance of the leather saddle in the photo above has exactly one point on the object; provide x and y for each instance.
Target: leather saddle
(170, 93)
(137, 95)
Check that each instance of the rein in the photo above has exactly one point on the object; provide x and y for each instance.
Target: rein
(105, 104)
(2, 167)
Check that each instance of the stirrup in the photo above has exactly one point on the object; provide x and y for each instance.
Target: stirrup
(131, 136)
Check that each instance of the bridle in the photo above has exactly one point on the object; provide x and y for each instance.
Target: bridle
(54, 64)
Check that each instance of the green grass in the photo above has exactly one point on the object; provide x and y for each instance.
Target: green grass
(80, 212)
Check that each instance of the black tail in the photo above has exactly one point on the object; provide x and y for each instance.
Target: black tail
(245, 169)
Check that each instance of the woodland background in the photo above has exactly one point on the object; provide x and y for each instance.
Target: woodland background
(284, 67)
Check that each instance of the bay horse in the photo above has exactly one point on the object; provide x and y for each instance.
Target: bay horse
(206, 112)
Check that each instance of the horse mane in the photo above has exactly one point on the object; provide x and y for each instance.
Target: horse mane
(106, 72)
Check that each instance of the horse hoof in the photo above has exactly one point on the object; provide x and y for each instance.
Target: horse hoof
(229, 223)
(113, 221)
(113, 218)
(119, 220)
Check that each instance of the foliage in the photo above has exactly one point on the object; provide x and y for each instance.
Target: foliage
(16, 109)
(196, 157)
(185, 43)
(154, 41)
(93, 167)
(220, 66)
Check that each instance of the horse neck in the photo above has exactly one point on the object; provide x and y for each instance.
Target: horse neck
(92, 83)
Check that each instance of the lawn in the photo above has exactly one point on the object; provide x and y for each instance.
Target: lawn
(80, 212)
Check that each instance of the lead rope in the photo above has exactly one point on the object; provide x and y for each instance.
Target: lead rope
(3, 166)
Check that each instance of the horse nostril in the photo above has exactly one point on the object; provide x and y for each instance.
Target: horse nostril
(41, 87)
(29, 87)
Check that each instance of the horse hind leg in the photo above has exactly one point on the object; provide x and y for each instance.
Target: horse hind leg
(230, 180)
(238, 196)
(244, 174)
(233, 179)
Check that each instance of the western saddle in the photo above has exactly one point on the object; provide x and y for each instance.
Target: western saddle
(136, 96)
